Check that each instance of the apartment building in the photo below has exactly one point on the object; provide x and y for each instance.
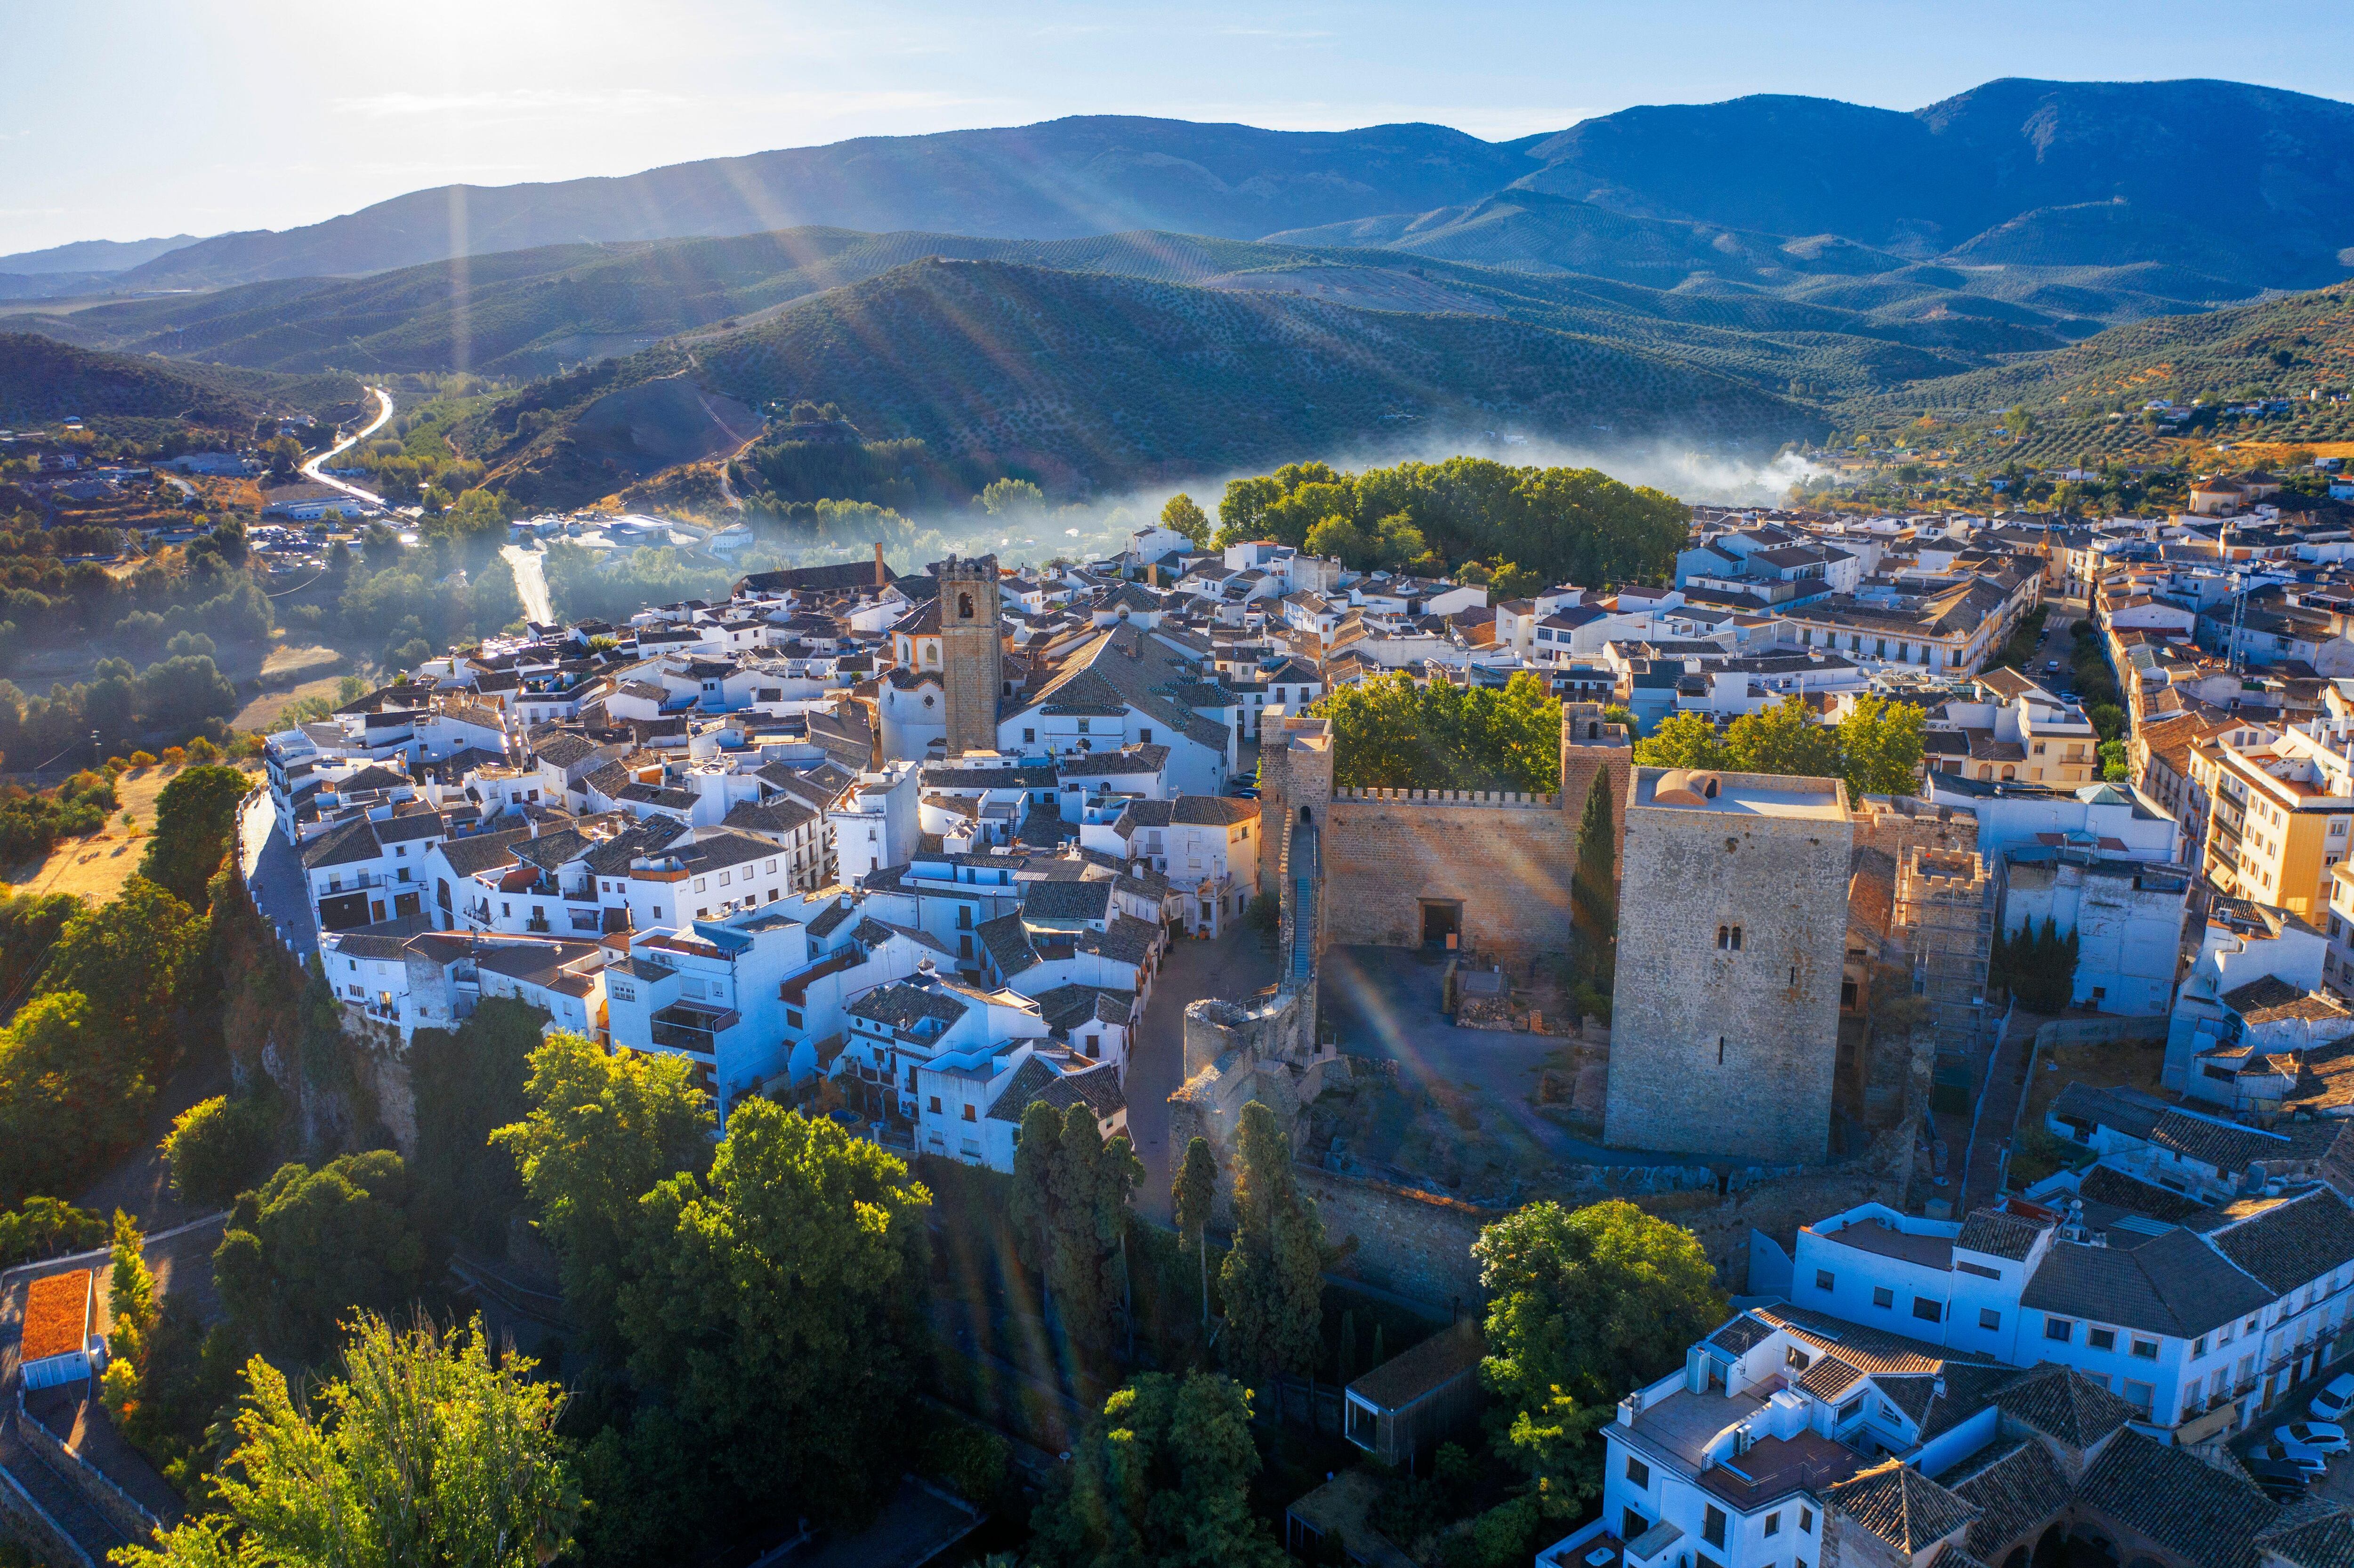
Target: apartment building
(2279, 813)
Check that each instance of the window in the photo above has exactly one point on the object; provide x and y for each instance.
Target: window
(2102, 1338)
(968, 1113)
(1806, 1522)
(1824, 1280)
(1029, 736)
(1711, 1529)
(1638, 1473)
(699, 885)
(2140, 1394)
(2058, 1329)
(2145, 1350)
(772, 865)
(1990, 1319)
(1774, 1524)
(1728, 938)
(1632, 1525)
(1850, 1410)
(1927, 1310)
(1145, 734)
(1980, 1269)
(793, 1018)
(1882, 1296)
(1796, 1359)
(935, 1104)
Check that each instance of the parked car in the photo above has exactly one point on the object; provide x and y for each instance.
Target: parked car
(2320, 1436)
(2053, 665)
(2310, 1461)
(2270, 1472)
(2333, 1402)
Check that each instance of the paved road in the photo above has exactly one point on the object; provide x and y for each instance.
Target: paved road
(310, 470)
(1233, 967)
(273, 872)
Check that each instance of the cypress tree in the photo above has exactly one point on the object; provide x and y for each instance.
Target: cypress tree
(1273, 1281)
(1594, 889)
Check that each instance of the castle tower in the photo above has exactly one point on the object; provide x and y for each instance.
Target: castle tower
(971, 652)
(1732, 913)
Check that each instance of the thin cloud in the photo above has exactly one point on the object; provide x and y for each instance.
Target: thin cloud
(513, 100)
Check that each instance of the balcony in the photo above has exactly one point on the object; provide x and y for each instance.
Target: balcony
(685, 1027)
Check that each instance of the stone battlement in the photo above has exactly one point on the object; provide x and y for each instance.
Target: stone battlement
(1508, 798)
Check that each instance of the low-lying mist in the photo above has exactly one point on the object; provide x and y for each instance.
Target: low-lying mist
(1099, 527)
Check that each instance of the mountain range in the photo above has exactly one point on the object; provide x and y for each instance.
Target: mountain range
(2016, 172)
(1097, 301)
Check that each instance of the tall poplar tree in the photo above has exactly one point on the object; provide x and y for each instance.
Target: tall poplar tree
(1192, 1197)
(1273, 1281)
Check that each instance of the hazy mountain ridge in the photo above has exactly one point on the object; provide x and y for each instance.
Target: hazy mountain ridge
(1814, 171)
(1087, 380)
(43, 379)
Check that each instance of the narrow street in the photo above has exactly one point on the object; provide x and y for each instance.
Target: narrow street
(2005, 1086)
(1233, 967)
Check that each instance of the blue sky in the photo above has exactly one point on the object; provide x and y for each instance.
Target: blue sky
(130, 119)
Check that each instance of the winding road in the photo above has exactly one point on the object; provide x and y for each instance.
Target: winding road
(311, 469)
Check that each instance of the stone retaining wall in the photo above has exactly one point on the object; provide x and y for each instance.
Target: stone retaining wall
(25, 1521)
(120, 1509)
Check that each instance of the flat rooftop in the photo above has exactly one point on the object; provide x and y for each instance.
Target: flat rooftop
(1771, 1467)
(1740, 794)
(1685, 1423)
(1874, 1236)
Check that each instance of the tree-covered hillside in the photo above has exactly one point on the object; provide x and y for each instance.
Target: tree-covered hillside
(1087, 380)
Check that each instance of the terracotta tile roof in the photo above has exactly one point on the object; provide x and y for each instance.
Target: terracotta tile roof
(2016, 1491)
(1998, 1234)
(2195, 1510)
(2062, 1404)
(2290, 1245)
(1900, 1506)
(2311, 1534)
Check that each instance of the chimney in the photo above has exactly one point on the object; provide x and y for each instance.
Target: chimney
(882, 578)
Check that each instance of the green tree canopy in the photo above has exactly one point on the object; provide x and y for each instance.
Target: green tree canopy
(128, 958)
(1390, 734)
(1783, 738)
(777, 1302)
(422, 1450)
(1192, 1197)
(1562, 524)
(1880, 742)
(1584, 1305)
(1069, 1207)
(1682, 740)
(1273, 1279)
(1876, 748)
(309, 1247)
(68, 1096)
(193, 819)
(1182, 515)
(218, 1147)
(1160, 1478)
(602, 1131)
(468, 1085)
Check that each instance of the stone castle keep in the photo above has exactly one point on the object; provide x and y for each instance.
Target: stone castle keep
(1733, 946)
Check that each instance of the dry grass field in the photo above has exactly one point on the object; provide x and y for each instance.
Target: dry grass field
(96, 868)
